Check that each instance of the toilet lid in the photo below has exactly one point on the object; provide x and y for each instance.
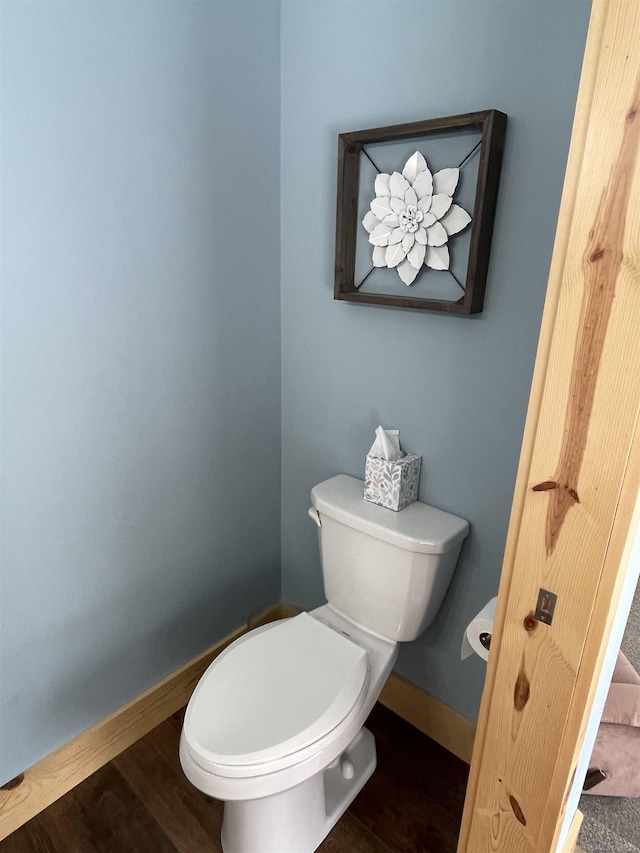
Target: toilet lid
(274, 692)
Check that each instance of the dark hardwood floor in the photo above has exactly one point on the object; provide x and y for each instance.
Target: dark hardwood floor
(142, 803)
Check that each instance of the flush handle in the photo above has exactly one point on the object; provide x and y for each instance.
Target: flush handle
(314, 515)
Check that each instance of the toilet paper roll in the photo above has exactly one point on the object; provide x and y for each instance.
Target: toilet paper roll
(477, 636)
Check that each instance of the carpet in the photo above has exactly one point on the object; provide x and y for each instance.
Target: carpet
(612, 824)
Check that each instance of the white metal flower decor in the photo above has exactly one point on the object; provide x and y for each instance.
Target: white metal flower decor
(412, 217)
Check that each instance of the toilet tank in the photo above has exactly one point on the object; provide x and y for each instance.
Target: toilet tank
(388, 571)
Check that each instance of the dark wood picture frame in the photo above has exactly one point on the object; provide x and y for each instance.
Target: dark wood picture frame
(492, 126)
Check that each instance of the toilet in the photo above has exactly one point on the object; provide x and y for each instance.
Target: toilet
(275, 726)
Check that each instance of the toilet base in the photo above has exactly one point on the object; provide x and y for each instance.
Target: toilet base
(298, 820)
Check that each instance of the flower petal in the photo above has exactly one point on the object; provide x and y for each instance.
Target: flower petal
(407, 273)
(378, 256)
(396, 236)
(423, 184)
(410, 197)
(436, 235)
(455, 219)
(391, 219)
(416, 255)
(397, 204)
(407, 241)
(370, 221)
(446, 181)
(381, 184)
(437, 257)
(428, 219)
(414, 165)
(395, 255)
(421, 236)
(440, 203)
(381, 207)
(380, 235)
(424, 203)
(398, 185)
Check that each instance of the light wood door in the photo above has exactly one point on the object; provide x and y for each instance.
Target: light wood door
(575, 509)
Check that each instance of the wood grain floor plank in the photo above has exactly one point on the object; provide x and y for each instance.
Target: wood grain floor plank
(350, 836)
(18, 842)
(205, 810)
(408, 801)
(406, 825)
(404, 753)
(151, 769)
(65, 825)
(103, 815)
(34, 839)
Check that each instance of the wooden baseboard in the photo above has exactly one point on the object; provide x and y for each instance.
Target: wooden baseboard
(65, 768)
(281, 610)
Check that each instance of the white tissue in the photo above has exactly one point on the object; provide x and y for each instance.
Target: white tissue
(387, 445)
(479, 625)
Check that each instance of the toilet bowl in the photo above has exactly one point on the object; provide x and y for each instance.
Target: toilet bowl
(304, 687)
(275, 727)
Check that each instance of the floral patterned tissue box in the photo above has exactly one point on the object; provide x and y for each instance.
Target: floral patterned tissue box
(392, 484)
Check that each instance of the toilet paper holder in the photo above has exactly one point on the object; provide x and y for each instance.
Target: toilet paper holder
(479, 632)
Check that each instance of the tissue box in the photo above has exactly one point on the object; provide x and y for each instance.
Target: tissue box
(392, 484)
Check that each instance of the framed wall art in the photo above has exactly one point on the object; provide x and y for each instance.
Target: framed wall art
(416, 205)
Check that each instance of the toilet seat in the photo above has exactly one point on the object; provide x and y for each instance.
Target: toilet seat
(272, 693)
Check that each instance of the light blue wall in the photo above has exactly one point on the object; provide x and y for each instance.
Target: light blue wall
(140, 348)
(140, 322)
(457, 387)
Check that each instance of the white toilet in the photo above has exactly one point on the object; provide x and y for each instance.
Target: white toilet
(275, 725)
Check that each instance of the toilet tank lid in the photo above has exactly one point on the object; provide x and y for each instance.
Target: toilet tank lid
(418, 527)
